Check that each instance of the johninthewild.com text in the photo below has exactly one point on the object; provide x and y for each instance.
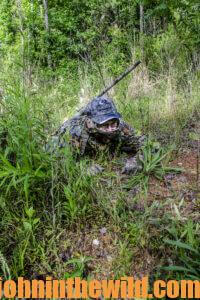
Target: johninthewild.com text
(125, 287)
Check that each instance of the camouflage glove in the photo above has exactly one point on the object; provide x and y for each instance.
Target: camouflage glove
(94, 170)
(132, 166)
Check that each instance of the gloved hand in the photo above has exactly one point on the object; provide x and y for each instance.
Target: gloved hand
(94, 169)
(132, 166)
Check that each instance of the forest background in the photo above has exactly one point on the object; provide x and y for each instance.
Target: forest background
(55, 56)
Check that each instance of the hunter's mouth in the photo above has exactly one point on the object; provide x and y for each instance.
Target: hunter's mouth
(109, 126)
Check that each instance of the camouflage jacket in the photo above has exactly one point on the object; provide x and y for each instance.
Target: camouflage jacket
(86, 140)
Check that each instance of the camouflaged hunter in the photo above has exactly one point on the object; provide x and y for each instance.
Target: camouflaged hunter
(99, 127)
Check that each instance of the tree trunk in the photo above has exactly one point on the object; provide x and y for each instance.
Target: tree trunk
(46, 22)
(31, 42)
(141, 19)
(141, 28)
(21, 29)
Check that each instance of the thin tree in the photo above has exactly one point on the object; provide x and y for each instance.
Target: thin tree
(21, 29)
(47, 27)
(141, 28)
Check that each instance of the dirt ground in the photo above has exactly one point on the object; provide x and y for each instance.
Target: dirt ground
(178, 194)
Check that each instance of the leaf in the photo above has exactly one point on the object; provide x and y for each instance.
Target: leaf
(173, 170)
(30, 212)
(73, 261)
(177, 211)
(176, 268)
(3, 181)
(36, 220)
(193, 277)
(194, 136)
(7, 163)
(39, 173)
(27, 226)
(26, 186)
(180, 245)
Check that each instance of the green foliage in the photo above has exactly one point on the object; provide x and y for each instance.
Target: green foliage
(35, 187)
(77, 191)
(79, 265)
(186, 254)
(80, 31)
(151, 160)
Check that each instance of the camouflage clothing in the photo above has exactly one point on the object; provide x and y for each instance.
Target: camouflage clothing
(84, 135)
(89, 140)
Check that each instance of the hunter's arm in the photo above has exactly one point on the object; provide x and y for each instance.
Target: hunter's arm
(131, 143)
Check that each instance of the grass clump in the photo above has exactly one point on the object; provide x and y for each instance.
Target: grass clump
(37, 190)
(185, 247)
(152, 163)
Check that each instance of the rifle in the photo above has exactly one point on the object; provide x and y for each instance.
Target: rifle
(83, 110)
(115, 81)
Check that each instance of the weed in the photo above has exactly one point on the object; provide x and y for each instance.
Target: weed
(185, 249)
(123, 262)
(79, 266)
(189, 258)
(151, 160)
(4, 267)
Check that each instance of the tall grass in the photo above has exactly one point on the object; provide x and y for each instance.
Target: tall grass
(35, 188)
(43, 194)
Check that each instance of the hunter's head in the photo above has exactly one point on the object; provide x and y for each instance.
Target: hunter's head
(103, 114)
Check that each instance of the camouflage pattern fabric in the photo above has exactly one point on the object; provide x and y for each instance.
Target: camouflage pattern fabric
(86, 140)
(84, 135)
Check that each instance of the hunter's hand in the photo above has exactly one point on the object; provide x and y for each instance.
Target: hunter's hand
(131, 166)
(94, 170)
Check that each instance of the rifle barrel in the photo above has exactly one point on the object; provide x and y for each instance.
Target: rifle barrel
(119, 78)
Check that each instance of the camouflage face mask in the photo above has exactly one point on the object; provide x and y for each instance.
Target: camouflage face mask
(104, 129)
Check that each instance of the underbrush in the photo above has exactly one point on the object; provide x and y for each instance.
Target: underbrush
(153, 160)
(48, 202)
(37, 189)
(183, 242)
